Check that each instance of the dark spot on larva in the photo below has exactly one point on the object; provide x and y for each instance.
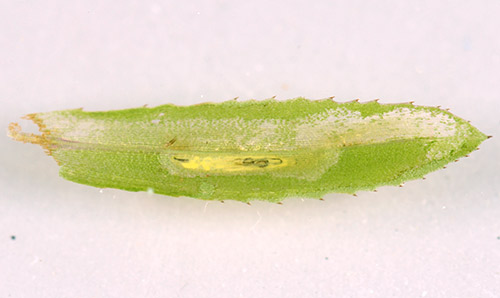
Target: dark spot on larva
(181, 159)
(262, 163)
(248, 161)
(13, 237)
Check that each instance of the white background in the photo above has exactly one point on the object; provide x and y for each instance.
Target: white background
(438, 237)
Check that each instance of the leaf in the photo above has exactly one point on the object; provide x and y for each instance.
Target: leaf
(264, 150)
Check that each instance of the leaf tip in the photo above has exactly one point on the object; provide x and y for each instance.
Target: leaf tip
(16, 133)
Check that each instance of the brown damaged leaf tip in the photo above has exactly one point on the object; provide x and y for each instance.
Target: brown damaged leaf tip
(15, 132)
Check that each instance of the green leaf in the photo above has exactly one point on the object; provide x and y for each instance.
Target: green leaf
(263, 150)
